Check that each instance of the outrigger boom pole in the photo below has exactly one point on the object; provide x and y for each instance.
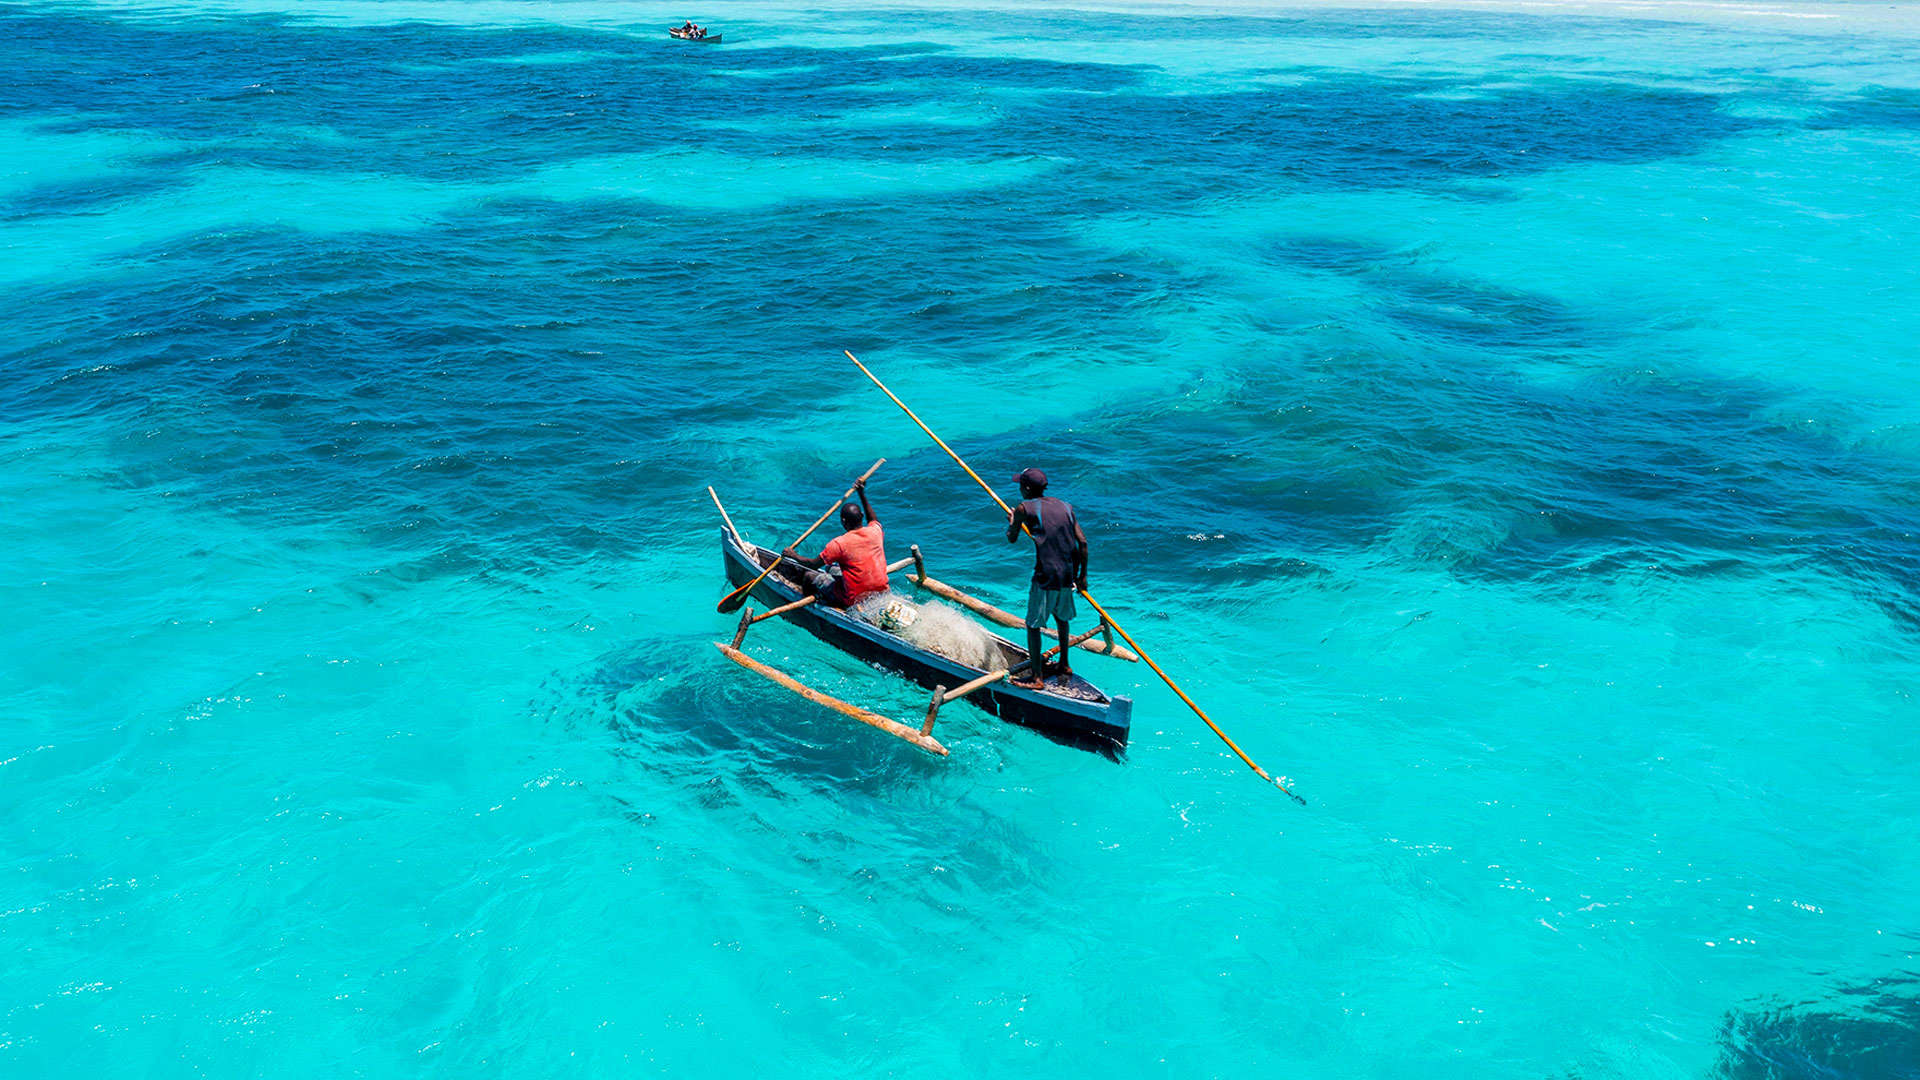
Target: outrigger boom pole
(1164, 677)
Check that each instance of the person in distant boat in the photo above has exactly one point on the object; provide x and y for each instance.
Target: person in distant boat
(853, 565)
(1059, 567)
(688, 28)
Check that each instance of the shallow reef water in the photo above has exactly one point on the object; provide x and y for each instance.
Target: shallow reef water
(1503, 421)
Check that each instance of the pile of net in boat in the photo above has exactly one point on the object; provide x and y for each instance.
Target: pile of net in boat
(933, 626)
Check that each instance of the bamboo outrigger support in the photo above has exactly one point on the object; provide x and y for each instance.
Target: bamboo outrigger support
(1007, 618)
(942, 695)
(781, 610)
(921, 739)
(1073, 643)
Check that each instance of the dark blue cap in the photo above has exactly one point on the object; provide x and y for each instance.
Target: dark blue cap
(1031, 478)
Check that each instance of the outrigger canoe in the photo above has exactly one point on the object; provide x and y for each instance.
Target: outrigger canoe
(1071, 711)
(710, 39)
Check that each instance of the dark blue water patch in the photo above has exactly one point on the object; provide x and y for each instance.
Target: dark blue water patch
(1282, 477)
(1361, 24)
(1677, 474)
(1419, 455)
(1870, 1032)
(250, 92)
(229, 90)
(425, 389)
(92, 194)
(1874, 107)
(1685, 476)
(424, 407)
(1356, 132)
(1337, 254)
(429, 389)
(1448, 309)
(525, 372)
(1333, 131)
(1483, 193)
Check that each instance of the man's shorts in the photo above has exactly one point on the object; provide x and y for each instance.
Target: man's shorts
(1044, 605)
(829, 586)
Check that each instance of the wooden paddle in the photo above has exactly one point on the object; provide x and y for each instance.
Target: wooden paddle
(1164, 677)
(731, 602)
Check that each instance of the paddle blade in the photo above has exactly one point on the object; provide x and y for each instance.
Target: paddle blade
(731, 602)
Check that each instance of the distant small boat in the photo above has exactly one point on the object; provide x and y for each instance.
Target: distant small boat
(687, 35)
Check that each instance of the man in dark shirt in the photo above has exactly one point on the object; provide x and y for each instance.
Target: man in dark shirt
(1059, 567)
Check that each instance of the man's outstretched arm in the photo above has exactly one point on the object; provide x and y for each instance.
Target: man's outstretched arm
(794, 556)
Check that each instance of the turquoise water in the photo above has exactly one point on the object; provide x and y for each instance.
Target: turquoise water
(1504, 423)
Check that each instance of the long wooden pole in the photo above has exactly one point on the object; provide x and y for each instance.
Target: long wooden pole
(988, 488)
(1157, 669)
(1197, 710)
(731, 602)
(724, 516)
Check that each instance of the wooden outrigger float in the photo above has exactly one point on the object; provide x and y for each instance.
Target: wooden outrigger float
(1071, 711)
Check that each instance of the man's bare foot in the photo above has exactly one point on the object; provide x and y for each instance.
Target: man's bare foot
(1028, 684)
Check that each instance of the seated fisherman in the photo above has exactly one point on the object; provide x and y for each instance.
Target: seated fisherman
(1059, 567)
(853, 565)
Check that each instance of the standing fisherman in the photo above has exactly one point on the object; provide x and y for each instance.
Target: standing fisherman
(1059, 567)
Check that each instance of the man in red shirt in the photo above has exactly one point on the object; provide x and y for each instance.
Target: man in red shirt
(853, 565)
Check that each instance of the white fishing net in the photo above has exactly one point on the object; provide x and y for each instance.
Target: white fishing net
(933, 626)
